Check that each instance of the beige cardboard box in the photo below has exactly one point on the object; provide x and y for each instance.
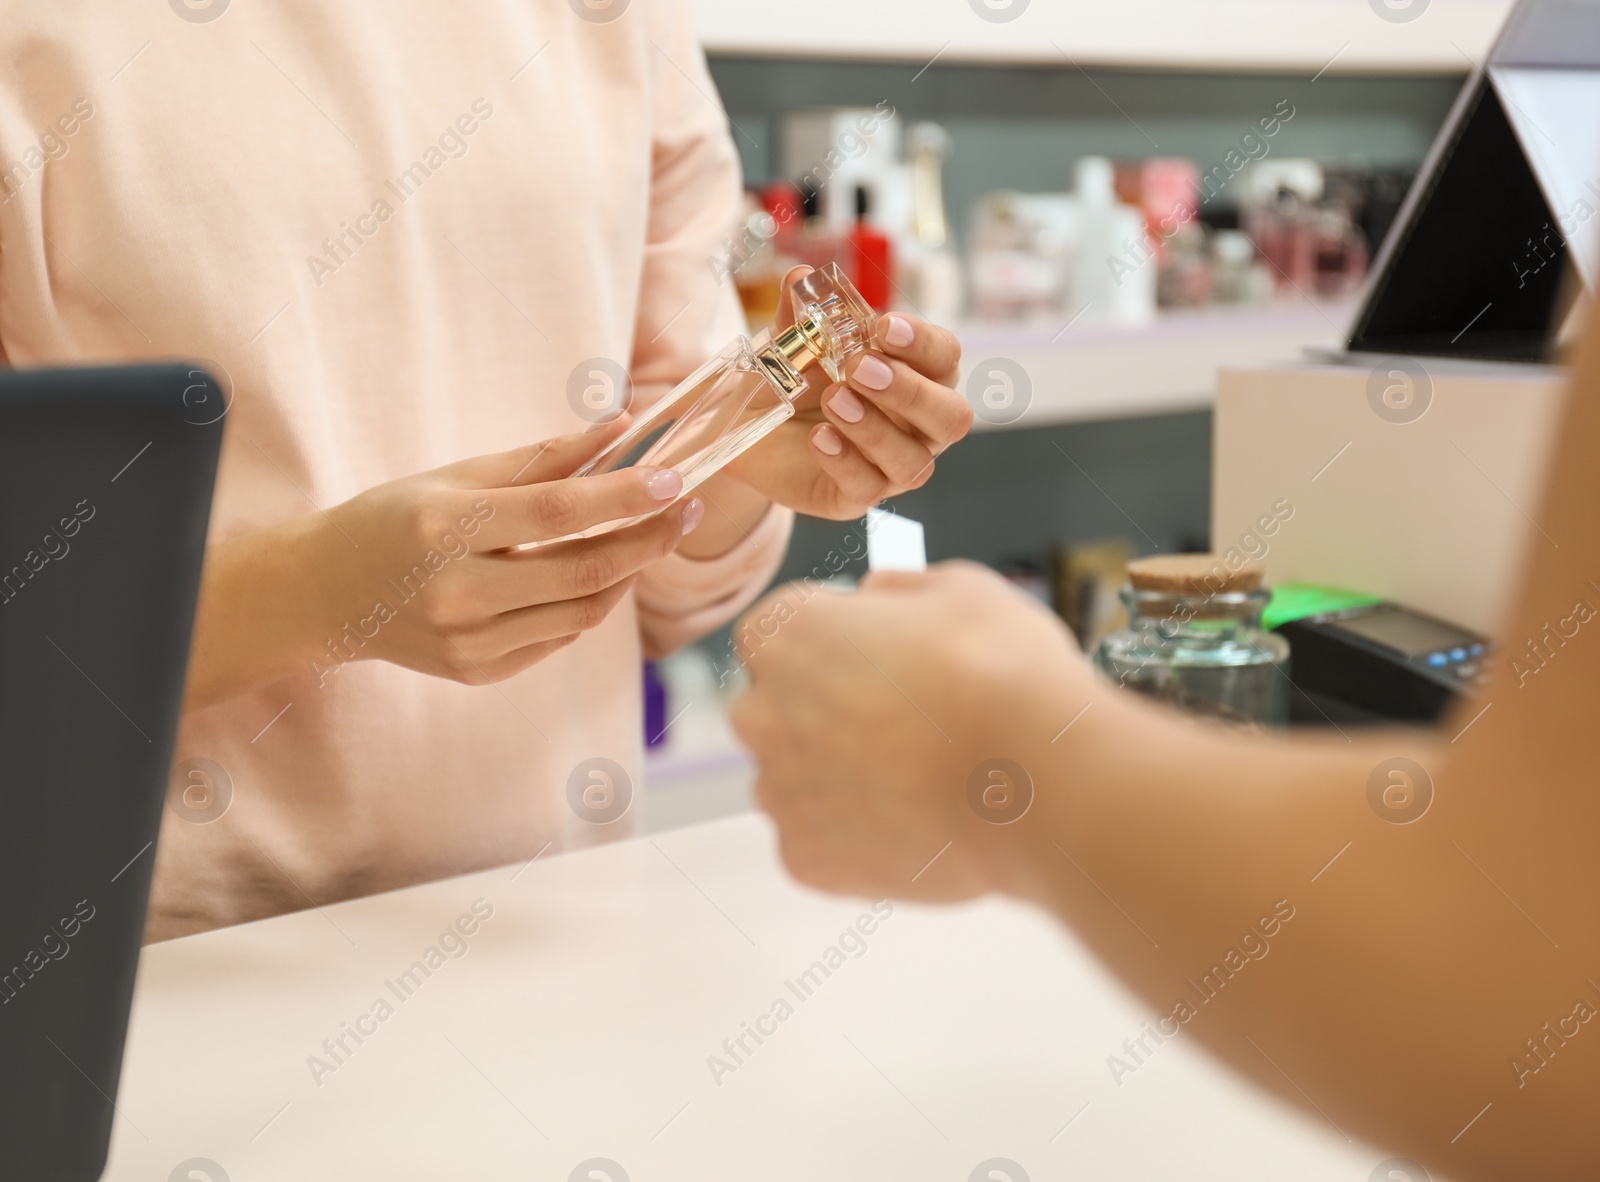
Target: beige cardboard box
(1415, 479)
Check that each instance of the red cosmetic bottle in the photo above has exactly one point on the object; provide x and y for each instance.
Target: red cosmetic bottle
(872, 257)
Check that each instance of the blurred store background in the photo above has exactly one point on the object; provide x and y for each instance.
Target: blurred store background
(1106, 201)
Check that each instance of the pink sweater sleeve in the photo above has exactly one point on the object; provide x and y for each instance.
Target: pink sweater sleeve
(681, 599)
(689, 310)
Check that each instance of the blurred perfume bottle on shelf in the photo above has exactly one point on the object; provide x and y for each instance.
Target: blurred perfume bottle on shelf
(1238, 276)
(930, 269)
(780, 231)
(1113, 274)
(757, 269)
(817, 243)
(1020, 255)
(738, 397)
(1186, 277)
(1274, 197)
(655, 706)
(871, 257)
(1055, 256)
(1339, 252)
(1338, 244)
(1380, 194)
(830, 153)
(1278, 228)
(1165, 189)
(1305, 228)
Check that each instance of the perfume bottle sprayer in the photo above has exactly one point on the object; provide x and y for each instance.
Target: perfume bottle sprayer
(738, 397)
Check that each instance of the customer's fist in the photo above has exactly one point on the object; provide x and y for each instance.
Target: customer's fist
(869, 712)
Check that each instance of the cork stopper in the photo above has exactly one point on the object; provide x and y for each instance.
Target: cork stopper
(1192, 574)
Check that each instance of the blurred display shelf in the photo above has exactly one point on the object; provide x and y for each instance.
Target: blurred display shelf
(699, 772)
(1085, 373)
(1343, 36)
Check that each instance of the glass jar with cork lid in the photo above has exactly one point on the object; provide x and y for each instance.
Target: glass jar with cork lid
(1194, 640)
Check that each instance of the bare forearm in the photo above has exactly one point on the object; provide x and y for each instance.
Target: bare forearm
(1436, 988)
(255, 620)
(1264, 898)
(435, 572)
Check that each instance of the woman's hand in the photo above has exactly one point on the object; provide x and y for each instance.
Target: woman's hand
(851, 446)
(868, 714)
(423, 572)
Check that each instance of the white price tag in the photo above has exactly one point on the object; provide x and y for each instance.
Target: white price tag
(894, 542)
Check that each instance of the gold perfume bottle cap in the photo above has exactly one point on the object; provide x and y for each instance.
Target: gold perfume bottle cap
(800, 344)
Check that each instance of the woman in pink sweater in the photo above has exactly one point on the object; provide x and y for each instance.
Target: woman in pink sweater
(398, 229)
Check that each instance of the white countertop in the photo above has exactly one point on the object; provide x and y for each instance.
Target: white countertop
(579, 1022)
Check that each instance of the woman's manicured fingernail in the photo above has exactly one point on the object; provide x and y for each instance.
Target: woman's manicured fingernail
(897, 331)
(827, 441)
(693, 512)
(847, 406)
(665, 484)
(874, 374)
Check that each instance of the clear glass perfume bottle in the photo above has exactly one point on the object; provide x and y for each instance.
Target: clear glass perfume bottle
(738, 397)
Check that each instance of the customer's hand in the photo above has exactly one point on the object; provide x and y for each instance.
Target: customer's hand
(867, 713)
(423, 571)
(849, 447)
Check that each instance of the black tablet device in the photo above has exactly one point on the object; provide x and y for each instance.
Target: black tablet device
(105, 494)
